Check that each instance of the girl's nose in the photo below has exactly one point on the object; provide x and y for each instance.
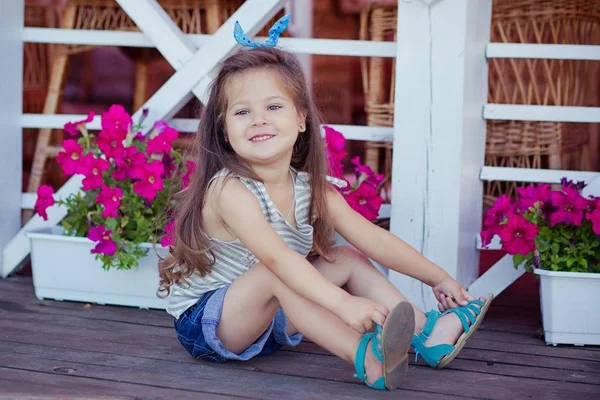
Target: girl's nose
(259, 120)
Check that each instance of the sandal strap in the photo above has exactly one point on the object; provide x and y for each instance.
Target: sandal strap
(376, 343)
(359, 360)
(432, 317)
(467, 314)
(432, 355)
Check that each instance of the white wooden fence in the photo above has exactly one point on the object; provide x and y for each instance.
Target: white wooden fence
(439, 127)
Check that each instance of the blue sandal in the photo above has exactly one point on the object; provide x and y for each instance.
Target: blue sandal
(389, 345)
(439, 356)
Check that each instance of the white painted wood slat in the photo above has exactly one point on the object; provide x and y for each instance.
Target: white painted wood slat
(11, 100)
(57, 121)
(497, 278)
(543, 51)
(534, 175)
(335, 47)
(518, 112)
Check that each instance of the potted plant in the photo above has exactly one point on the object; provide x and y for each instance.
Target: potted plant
(556, 234)
(114, 223)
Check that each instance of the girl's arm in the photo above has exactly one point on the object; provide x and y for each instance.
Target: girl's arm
(241, 212)
(387, 249)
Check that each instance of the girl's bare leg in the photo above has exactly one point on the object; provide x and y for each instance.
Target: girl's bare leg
(350, 268)
(251, 302)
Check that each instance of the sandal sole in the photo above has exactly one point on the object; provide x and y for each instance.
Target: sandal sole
(462, 340)
(397, 334)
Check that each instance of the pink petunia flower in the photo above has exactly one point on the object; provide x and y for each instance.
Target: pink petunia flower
(111, 200)
(530, 195)
(151, 181)
(369, 176)
(106, 245)
(169, 237)
(116, 119)
(191, 167)
(162, 142)
(365, 201)
(70, 159)
(110, 141)
(593, 215)
(518, 235)
(92, 168)
(44, 200)
(75, 128)
(501, 209)
(335, 150)
(127, 163)
(571, 206)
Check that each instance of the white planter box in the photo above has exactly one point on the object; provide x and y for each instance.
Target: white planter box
(570, 303)
(64, 269)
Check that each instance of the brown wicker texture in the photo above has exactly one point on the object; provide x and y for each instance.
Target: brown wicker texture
(378, 23)
(524, 144)
(531, 144)
(192, 16)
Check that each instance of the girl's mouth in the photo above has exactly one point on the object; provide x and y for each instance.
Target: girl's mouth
(261, 138)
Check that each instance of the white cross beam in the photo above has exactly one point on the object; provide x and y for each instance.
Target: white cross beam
(192, 76)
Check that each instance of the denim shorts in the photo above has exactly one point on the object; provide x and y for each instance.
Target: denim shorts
(197, 331)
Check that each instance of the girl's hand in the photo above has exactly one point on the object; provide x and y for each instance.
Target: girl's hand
(360, 313)
(451, 294)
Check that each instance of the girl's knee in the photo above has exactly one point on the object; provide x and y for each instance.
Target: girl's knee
(350, 255)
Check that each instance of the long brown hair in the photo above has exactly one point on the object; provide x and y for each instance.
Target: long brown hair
(190, 251)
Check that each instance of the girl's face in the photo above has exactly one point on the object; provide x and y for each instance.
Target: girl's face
(261, 120)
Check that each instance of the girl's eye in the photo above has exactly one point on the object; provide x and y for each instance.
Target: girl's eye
(273, 107)
(242, 112)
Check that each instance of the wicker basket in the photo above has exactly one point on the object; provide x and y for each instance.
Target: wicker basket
(531, 144)
(378, 23)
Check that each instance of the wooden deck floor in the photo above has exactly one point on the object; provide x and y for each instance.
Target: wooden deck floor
(50, 348)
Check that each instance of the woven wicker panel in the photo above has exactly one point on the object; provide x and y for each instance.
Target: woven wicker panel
(530, 144)
(378, 23)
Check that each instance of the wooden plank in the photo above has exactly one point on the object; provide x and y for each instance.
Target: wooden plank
(543, 51)
(199, 377)
(519, 112)
(11, 103)
(19, 384)
(254, 377)
(438, 141)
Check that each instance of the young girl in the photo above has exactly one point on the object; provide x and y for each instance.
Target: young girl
(239, 275)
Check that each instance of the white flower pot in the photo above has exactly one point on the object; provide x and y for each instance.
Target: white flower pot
(64, 269)
(570, 303)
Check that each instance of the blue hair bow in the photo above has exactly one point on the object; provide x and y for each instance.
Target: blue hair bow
(276, 30)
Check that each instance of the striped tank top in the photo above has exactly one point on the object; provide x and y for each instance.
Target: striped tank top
(232, 258)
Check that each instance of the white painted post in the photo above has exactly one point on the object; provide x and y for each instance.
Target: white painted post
(301, 26)
(11, 101)
(439, 135)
